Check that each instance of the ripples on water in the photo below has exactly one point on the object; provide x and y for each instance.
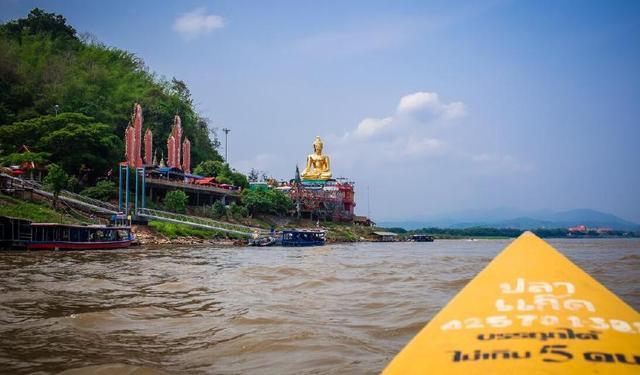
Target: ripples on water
(344, 309)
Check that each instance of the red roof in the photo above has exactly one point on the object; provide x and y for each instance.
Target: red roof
(206, 181)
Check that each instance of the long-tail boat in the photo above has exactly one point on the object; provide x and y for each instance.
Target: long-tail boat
(530, 311)
(49, 236)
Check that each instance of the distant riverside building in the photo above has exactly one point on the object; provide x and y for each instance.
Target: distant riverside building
(578, 229)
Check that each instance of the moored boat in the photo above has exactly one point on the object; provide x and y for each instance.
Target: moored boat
(292, 237)
(302, 237)
(421, 238)
(49, 236)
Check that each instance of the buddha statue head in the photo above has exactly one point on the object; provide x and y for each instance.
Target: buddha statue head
(317, 146)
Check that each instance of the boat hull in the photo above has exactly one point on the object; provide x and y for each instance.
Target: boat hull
(59, 245)
(301, 244)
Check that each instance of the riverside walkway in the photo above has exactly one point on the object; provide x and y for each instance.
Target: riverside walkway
(200, 222)
(107, 209)
(77, 200)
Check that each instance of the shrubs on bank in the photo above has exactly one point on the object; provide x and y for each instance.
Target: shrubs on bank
(104, 190)
(56, 181)
(176, 201)
(172, 230)
(270, 201)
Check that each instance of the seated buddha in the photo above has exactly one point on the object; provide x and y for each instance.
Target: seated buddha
(318, 167)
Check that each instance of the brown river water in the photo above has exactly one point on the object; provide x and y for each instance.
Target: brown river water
(337, 309)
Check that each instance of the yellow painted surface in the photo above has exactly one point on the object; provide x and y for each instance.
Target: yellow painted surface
(530, 311)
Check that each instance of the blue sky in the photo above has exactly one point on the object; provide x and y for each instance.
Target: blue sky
(435, 106)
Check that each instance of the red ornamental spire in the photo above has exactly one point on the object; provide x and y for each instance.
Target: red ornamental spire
(186, 156)
(137, 126)
(127, 145)
(130, 146)
(171, 145)
(176, 135)
(148, 147)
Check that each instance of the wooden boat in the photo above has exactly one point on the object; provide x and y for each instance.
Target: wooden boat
(530, 311)
(421, 238)
(302, 237)
(292, 237)
(263, 241)
(48, 236)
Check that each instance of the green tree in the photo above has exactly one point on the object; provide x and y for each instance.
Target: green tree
(222, 179)
(176, 201)
(212, 168)
(218, 210)
(237, 211)
(18, 158)
(239, 179)
(56, 181)
(269, 201)
(39, 21)
(104, 190)
(45, 68)
(222, 172)
(93, 145)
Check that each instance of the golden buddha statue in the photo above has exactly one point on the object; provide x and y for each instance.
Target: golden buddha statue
(318, 167)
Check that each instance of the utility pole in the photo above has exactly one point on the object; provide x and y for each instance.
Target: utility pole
(226, 132)
(368, 207)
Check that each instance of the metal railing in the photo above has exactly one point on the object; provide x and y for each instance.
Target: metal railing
(67, 196)
(78, 197)
(200, 222)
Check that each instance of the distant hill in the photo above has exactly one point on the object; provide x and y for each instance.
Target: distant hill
(520, 219)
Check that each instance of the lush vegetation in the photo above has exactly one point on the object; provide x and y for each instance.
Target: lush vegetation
(104, 190)
(57, 180)
(70, 98)
(271, 201)
(176, 201)
(222, 172)
(172, 231)
(39, 213)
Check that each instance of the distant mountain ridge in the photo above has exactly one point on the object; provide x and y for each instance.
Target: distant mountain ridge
(520, 219)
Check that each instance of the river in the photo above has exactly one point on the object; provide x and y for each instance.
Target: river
(337, 309)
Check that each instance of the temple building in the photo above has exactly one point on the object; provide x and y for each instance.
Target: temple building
(316, 194)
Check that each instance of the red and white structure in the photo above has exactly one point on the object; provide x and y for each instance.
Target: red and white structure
(186, 156)
(148, 147)
(178, 151)
(133, 139)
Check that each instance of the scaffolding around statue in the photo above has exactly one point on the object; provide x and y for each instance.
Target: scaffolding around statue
(331, 199)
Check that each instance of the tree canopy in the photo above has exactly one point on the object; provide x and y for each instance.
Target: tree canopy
(46, 69)
(222, 172)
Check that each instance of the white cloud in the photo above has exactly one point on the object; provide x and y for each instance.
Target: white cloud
(197, 22)
(411, 136)
(428, 103)
(370, 127)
